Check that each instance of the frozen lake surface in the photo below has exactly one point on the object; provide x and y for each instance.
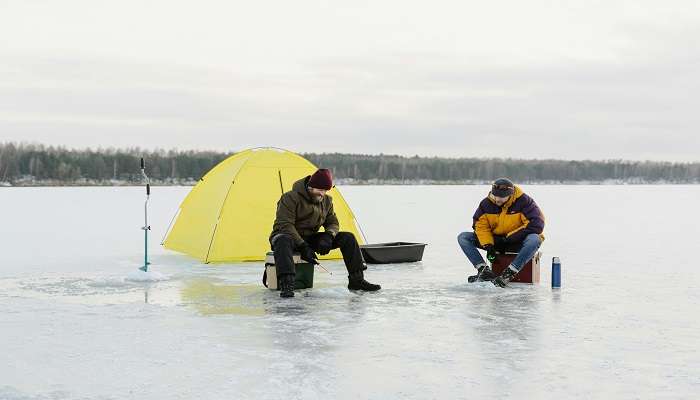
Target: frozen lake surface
(624, 326)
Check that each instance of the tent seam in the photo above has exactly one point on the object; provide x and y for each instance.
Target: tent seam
(221, 209)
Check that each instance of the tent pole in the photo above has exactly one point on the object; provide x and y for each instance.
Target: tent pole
(279, 174)
(170, 225)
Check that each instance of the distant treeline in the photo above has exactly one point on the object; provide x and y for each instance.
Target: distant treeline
(35, 164)
(473, 170)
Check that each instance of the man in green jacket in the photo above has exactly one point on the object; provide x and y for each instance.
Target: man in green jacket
(301, 212)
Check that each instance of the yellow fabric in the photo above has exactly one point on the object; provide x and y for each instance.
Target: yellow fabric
(228, 215)
(482, 228)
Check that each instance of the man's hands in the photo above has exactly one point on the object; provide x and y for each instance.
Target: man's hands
(325, 243)
(499, 246)
(308, 254)
(500, 243)
(490, 252)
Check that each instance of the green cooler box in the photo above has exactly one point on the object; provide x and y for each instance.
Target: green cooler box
(304, 277)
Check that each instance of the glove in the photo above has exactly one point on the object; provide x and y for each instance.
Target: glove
(500, 243)
(325, 243)
(490, 252)
(307, 254)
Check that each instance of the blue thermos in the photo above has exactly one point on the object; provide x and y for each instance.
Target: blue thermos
(556, 272)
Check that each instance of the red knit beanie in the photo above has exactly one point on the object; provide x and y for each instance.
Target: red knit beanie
(321, 179)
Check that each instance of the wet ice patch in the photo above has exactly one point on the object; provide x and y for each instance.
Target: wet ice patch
(72, 285)
(94, 290)
(330, 292)
(146, 276)
(10, 393)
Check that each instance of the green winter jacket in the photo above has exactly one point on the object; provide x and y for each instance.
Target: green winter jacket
(298, 216)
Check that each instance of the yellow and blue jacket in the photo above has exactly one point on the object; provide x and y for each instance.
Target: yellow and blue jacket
(517, 218)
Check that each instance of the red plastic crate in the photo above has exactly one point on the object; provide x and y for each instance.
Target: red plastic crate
(530, 272)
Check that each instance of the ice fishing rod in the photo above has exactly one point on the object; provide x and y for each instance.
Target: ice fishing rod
(145, 226)
(324, 268)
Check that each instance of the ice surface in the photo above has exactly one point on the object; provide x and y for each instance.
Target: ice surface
(145, 276)
(74, 325)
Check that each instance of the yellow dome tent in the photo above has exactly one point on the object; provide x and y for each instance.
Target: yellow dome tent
(228, 215)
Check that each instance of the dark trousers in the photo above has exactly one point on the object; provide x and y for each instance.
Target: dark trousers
(283, 246)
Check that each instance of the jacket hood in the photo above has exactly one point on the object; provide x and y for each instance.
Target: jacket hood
(300, 187)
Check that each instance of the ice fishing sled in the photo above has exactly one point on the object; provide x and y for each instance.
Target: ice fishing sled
(392, 252)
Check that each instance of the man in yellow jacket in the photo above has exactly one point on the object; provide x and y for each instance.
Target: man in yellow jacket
(506, 220)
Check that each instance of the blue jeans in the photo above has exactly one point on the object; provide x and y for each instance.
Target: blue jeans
(470, 246)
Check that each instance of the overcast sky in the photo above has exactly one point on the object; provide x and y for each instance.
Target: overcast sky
(529, 79)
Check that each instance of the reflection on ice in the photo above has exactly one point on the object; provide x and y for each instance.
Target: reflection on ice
(210, 298)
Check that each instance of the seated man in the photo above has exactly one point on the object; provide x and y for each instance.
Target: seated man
(506, 220)
(300, 214)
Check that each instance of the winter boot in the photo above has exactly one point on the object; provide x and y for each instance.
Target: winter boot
(505, 277)
(484, 273)
(356, 281)
(286, 285)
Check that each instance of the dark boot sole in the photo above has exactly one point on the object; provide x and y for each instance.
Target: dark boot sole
(473, 279)
(365, 290)
(499, 283)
